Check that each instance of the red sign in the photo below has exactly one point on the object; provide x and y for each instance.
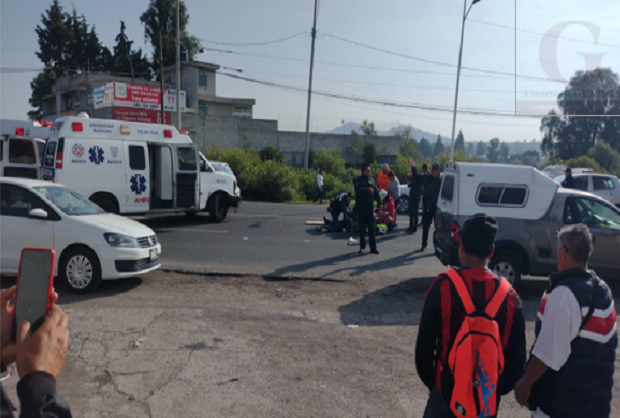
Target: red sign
(140, 115)
(146, 97)
(142, 200)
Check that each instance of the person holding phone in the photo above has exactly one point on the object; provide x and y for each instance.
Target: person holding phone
(39, 356)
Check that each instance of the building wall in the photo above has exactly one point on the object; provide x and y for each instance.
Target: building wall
(230, 132)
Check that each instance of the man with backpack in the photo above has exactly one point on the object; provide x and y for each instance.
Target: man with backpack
(471, 340)
(571, 368)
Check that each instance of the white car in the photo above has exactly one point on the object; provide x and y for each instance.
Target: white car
(602, 185)
(90, 244)
(402, 205)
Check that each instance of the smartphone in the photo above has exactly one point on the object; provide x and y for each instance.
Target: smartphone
(35, 281)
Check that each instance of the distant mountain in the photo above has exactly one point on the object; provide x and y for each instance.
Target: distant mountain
(353, 126)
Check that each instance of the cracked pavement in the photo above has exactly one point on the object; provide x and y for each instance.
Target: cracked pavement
(194, 346)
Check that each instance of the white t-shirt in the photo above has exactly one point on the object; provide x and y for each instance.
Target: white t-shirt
(560, 326)
(319, 180)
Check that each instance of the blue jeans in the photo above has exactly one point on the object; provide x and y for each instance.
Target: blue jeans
(436, 407)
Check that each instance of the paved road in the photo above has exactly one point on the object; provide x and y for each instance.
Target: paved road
(272, 240)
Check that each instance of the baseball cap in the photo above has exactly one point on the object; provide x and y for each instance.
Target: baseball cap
(391, 173)
(385, 165)
(435, 167)
(568, 170)
(478, 234)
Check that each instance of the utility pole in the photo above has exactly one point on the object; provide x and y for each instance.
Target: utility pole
(178, 86)
(161, 78)
(307, 153)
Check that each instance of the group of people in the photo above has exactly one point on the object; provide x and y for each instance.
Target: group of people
(471, 346)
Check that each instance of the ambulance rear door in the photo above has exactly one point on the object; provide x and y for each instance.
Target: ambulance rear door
(186, 179)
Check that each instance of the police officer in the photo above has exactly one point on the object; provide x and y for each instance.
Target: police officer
(415, 193)
(430, 194)
(366, 192)
(425, 175)
(338, 205)
(569, 181)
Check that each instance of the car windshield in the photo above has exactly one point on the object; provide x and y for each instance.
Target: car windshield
(595, 214)
(69, 202)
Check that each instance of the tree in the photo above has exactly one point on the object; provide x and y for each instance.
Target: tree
(597, 93)
(459, 143)
(504, 152)
(41, 85)
(355, 150)
(532, 156)
(161, 15)
(331, 161)
(53, 37)
(271, 153)
(493, 150)
(471, 150)
(128, 61)
(370, 153)
(606, 157)
(368, 128)
(408, 145)
(438, 149)
(481, 150)
(425, 148)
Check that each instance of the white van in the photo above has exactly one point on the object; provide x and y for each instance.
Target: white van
(19, 155)
(135, 168)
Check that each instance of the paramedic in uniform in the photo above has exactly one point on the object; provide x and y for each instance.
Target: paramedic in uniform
(444, 312)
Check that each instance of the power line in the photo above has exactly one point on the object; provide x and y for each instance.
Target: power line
(256, 43)
(542, 34)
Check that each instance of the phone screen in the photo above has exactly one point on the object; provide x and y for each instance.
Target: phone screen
(32, 288)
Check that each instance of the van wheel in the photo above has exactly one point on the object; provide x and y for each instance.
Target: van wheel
(507, 265)
(106, 203)
(218, 208)
(80, 270)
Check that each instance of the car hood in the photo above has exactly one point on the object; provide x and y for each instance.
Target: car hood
(117, 224)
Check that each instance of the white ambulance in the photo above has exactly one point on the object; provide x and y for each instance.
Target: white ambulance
(135, 168)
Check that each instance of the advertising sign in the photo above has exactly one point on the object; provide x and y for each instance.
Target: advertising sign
(140, 115)
(102, 96)
(145, 97)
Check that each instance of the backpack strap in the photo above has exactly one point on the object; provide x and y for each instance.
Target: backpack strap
(498, 298)
(461, 289)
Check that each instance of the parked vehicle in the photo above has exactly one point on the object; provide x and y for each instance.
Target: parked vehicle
(90, 245)
(554, 171)
(25, 130)
(530, 208)
(135, 168)
(402, 204)
(602, 185)
(19, 156)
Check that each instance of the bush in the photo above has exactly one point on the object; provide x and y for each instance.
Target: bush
(606, 157)
(585, 162)
(271, 153)
(330, 161)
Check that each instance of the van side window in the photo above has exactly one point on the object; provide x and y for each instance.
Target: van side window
(137, 161)
(501, 195)
(187, 159)
(581, 183)
(602, 183)
(21, 151)
(447, 188)
(50, 153)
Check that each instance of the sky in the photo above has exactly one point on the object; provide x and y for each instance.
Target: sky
(422, 38)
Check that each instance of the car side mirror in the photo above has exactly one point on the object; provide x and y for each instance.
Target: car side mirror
(38, 213)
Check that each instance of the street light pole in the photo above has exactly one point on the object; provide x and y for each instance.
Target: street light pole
(458, 75)
(307, 153)
(178, 86)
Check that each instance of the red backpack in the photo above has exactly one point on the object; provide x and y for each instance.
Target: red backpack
(476, 359)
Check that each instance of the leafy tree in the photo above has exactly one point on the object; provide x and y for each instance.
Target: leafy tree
(355, 150)
(331, 161)
(471, 150)
(595, 92)
(425, 148)
(370, 153)
(584, 161)
(408, 145)
(384, 150)
(53, 37)
(504, 152)
(459, 143)
(606, 157)
(41, 85)
(161, 15)
(481, 150)
(368, 128)
(271, 153)
(438, 149)
(127, 60)
(493, 150)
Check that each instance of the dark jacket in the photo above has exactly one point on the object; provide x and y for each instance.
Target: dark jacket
(582, 388)
(363, 197)
(569, 182)
(37, 398)
(442, 316)
(339, 204)
(415, 185)
(430, 185)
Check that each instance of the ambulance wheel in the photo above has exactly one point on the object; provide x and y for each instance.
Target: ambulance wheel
(106, 203)
(218, 208)
(508, 265)
(80, 270)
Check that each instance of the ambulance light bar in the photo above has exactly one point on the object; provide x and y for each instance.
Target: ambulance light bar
(19, 131)
(77, 127)
(167, 133)
(125, 130)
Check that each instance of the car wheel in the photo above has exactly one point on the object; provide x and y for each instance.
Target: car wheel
(218, 209)
(507, 265)
(402, 206)
(80, 270)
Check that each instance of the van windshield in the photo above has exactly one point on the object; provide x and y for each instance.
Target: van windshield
(21, 151)
(69, 202)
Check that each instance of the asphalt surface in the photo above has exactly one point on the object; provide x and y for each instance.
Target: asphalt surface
(182, 345)
(272, 240)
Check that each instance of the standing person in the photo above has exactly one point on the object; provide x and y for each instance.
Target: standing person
(415, 193)
(319, 187)
(425, 175)
(393, 191)
(432, 185)
(571, 367)
(470, 298)
(366, 192)
(383, 180)
(569, 181)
